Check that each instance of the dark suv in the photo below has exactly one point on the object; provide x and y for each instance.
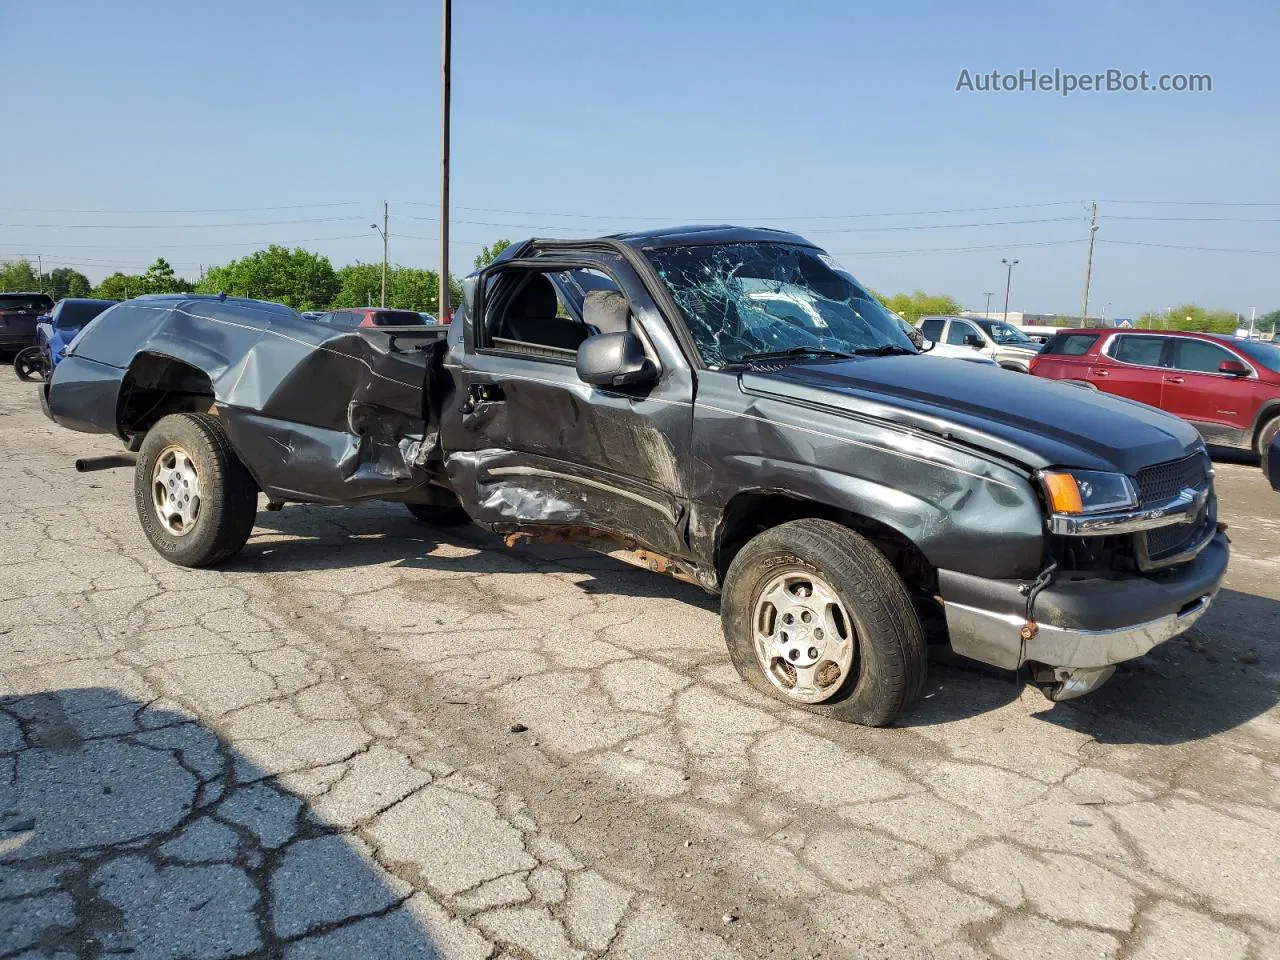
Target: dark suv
(1228, 388)
(18, 313)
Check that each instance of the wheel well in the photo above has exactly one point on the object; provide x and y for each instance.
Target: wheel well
(750, 514)
(1269, 416)
(157, 386)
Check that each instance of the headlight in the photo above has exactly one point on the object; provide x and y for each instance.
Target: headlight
(1087, 491)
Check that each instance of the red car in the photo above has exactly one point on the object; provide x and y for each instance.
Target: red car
(1228, 388)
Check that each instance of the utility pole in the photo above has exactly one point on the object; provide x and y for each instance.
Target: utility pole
(987, 312)
(1253, 317)
(1008, 282)
(446, 44)
(39, 271)
(1088, 266)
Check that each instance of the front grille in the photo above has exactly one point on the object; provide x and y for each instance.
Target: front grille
(1162, 482)
(1165, 542)
(1158, 485)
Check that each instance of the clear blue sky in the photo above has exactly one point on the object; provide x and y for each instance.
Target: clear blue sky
(637, 113)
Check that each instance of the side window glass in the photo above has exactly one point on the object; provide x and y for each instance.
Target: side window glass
(958, 331)
(1145, 351)
(1199, 356)
(524, 315)
(932, 329)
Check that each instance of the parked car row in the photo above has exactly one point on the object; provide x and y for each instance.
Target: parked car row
(54, 331)
(18, 315)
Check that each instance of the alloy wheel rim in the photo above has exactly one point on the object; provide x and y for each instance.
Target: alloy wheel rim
(804, 638)
(175, 491)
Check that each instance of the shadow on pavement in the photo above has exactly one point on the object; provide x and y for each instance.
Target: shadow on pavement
(1175, 694)
(328, 538)
(1246, 458)
(130, 831)
(1214, 678)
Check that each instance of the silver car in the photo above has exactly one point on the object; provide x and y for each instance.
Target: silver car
(999, 341)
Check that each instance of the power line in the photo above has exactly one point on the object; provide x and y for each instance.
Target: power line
(686, 219)
(219, 243)
(1175, 246)
(172, 226)
(1200, 203)
(1197, 219)
(918, 226)
(935, 250)
(292, 206)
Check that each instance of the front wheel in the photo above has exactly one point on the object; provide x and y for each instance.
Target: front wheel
(195, 499)
(1265, 436)
(31, 364)
(817, 617)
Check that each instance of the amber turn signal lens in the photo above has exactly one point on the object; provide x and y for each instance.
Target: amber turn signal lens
(1063, 492)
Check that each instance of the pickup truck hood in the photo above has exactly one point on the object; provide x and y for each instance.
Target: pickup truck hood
(1036, 422)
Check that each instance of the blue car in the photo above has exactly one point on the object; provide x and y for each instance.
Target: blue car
(54, 331)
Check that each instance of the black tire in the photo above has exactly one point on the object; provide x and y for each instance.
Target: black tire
(30, 364)
(1265, 436)
(228, 496)
(891, 661)
(438, 516)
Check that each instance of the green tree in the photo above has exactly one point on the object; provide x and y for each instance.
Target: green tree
(120, 286)
(1190, 316)
(65, 282)
(18, 276)
(299, 278)
(160, 278)
(913, 306)
(408, 288)
(487, 255)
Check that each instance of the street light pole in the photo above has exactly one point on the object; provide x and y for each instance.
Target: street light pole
(1008, 282)
(382, 232)
(987, 312)
(446, 44)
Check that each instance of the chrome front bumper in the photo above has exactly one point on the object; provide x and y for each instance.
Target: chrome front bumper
(1069, 646)
(1081, 626)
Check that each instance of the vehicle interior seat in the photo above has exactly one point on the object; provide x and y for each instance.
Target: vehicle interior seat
(530, 317)
(607, 311)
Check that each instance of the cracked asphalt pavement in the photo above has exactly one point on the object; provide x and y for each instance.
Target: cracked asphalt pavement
(367, 738)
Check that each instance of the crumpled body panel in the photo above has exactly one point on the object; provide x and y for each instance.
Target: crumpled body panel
(315, 413)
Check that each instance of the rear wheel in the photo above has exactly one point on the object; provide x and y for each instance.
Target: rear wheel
(30, 364)
(815, 616)
(194, 497)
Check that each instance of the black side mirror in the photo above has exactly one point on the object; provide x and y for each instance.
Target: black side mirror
(615, 360)
(973, 340)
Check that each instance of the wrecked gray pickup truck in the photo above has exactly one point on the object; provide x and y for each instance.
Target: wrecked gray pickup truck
(726, 405)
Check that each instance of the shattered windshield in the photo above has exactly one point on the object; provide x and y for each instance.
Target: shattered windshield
(760, 301)
(1005, 333)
